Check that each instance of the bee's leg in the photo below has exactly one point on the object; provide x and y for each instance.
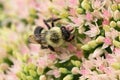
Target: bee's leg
(71, 38)
(52, 23)
(45, 22)
(65, 33)
(43, 47)
(38, 30)
(71, 30)
(51, 48)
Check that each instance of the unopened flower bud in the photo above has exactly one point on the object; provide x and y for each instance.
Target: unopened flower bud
(76, 63)
(113, 24)
(53, 10)
(118, 6)
(75, 70)
(116, 65)
(68, 77)
(40, 70)
(30, 78)
(116, 15)
(85, 5)
(116, 43)
(80, 10)
(42, 77)
(100, 39)
(92, 44)
(78, 45)
(25, 57)
(31, 66)
(81, 30)
(4, 66)
(114, 7)
(118, 24)
(21, 75)
(32, 73)
(25, 69)
(64, 14)
(63, 70)
(85, 47)
(106, 28)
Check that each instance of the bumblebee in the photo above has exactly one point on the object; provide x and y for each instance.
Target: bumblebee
(51, 38)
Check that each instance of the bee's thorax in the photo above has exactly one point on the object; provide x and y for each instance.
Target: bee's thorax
(54, 37)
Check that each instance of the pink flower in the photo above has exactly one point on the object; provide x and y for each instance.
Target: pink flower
(117, 51)
(73, 3)
(112, 34)
(2, 76)
(96, 4)
(79, 54)
(118, 1)
(97, 14)
(60, 3)
(56, 73)
(94, 30)
(73, 12)
(16, 67)
(42, 62)
(52, 56)
(110, 59)
(87, 39)
(33, 4)
(97, 52)
(75, 70)
(71, 48)
(99, 4)
(108, 70)
(78, 20)
(4, 52)
(101, 67)
(85, 72)
(24, 49)
(108, 41)
(13, 36)
(11, 77)
(105, 22)
(21, 7)
(89, 17)
(106, 14)
(34, 48)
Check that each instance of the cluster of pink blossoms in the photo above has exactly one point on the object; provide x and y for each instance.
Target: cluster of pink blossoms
(94, 53)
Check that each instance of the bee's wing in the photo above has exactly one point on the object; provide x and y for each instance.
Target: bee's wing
(31, 39)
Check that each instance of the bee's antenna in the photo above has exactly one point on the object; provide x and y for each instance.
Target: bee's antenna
(52, 19)
(45, 22)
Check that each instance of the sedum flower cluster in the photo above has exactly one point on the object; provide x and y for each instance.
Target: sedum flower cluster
(93, 54)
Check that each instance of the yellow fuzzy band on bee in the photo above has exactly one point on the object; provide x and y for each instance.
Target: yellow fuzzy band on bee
(56, 30)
